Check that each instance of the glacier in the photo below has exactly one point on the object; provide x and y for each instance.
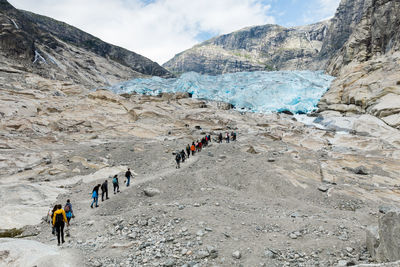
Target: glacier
(266, 92)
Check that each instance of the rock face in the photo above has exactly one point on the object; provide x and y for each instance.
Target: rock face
(382, 242)
(57, 51)
(259, 48)
(367, 66)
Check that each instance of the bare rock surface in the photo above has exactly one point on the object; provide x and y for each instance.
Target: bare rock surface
(265, 205)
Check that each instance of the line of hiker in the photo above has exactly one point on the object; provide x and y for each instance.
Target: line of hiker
(195, 147)
(104, 188)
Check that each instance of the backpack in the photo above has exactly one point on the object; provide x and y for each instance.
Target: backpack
(115, 180)
(66, 208)
(59, 218)
(178, 156)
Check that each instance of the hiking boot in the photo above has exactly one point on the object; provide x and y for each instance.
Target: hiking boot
(97, 206)
(91, 206)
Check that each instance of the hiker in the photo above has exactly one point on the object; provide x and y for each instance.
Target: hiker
(183, 156)
(188, 151)
(69, 214)
(197, 146)
(178, 160)
(59, 220)
(128, 175)
(116, 183)
(220, 138)
(68, 210)
(53, 229)
(95, 195)
(233, 136)
(200, 146)
(104, 190)
(209, 138)
(227, 137)
(193, 148)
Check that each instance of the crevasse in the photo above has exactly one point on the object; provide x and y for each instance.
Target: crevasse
(295, 91)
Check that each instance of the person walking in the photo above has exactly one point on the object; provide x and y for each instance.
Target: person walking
(68, 210)
(227, 137)
(59, 220)
(193, 148)
(183, 156)
(104, 190)
(53, 228)
(188, 151)
(178, 160)
(69, 214)
(115, 184)
(95, 195)
(220, 138)
(128, 175)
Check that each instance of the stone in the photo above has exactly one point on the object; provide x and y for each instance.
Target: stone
(236, 254)
(389, 237)
(323, 188)
(201, 254)
(293, 236)
(169, 262)
(151, 192)
(251, 150)
(361, 170)
(269, 254)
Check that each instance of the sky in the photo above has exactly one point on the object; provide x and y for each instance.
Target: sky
(159, 29)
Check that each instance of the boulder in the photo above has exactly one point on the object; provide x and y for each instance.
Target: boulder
(151, 192)
(383, 241)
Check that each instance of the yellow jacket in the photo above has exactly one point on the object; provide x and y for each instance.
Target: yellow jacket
(58, 212)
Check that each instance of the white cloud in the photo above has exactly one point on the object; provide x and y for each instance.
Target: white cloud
(321, 10)
(157, 30)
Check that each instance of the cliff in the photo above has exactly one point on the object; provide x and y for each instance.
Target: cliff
(267, 47)
(367, 66)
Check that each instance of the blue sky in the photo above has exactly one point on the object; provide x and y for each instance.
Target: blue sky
(159, 29)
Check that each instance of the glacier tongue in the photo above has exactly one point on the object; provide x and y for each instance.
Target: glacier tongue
(296, 91)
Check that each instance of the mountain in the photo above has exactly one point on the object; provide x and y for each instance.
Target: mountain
(267, 47)
(367, 65)
(56, 50)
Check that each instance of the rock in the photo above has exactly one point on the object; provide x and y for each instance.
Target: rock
(361, 170)
(283, 51)
(271, 160)
(121, 245)
(323, 188)
(251, 150)
(270, 254)
(293, 236)
(345, 263)
(385, 209)
(201, 254)
(212, 251)
(169, 262)
(151, 192)
(236, 254)
(389, 237)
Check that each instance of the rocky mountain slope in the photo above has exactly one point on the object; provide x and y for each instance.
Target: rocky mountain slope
(367, 66)
(268, 47)
(55, 50)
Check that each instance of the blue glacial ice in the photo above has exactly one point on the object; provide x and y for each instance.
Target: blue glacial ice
(295, 91)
